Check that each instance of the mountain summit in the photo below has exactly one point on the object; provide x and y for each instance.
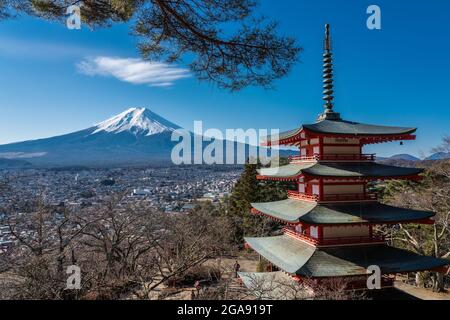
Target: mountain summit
(135, 136)
(138, 121)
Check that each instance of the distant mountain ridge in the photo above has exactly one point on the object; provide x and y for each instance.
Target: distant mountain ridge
(439, 156)
(408, 157)
(403, 156)
(13, 163)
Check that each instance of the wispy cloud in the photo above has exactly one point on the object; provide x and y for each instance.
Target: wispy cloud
(132, 70)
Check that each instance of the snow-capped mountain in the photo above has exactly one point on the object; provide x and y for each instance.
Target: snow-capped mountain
(139, 121)
(136, 135)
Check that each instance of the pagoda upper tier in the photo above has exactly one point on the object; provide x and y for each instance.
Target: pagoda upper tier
(338, 128)
(330, 124)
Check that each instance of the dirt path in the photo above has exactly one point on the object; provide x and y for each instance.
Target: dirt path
(421, 293)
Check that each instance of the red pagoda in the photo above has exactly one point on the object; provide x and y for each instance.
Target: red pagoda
(329, 219)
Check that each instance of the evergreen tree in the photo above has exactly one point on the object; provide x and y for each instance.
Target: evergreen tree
(248, 190)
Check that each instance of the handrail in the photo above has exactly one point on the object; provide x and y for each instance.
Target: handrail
(332, 197)
(336, 240)
(335, 157)
(350, 196)
(353, 239)
(303, 158)
(362, 156)
(302, 196)
(300, 236)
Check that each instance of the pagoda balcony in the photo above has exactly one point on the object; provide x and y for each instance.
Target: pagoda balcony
(300, 236)
(333, 197)
(337, 240)
(333, 157)
(352, 240)
(302, 196)
(350, 197)
(303, 158)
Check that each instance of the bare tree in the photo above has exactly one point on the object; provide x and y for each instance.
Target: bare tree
(444, 147)
(123, 249)
(432, 194)
(45, 235)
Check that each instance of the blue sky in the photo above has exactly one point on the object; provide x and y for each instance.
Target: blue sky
(394, 76)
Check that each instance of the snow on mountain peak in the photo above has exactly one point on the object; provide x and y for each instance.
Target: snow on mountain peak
(137, 121)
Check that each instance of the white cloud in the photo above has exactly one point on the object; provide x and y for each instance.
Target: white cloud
(132, 70)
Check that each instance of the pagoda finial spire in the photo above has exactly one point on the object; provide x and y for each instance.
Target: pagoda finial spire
(328, 79)
(327, 44)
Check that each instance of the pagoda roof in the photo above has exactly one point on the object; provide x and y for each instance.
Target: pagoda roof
(297, 257)
(309, 212)
(346, 128)
(337, 170)
(355, 128)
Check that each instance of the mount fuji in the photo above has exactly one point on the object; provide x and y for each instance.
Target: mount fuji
(136, 136)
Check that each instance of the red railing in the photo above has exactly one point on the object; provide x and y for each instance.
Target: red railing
(334, 157)
(350, 240)
(303, 158)
(348, 157)
(302, 196)
(300, 236)
(336, 240)
(349, 197)
(333, 197)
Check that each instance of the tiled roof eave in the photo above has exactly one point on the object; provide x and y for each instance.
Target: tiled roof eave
(338, 170)
(295, 136)
(414, 177)
(293, 212)
(296, 256)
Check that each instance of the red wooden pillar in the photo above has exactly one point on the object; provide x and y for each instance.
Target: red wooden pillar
(321, 147)
(365, 190)
(320, 235)
(321, 197)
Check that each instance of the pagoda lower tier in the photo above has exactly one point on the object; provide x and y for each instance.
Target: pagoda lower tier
(293, 212)
(305, 261)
